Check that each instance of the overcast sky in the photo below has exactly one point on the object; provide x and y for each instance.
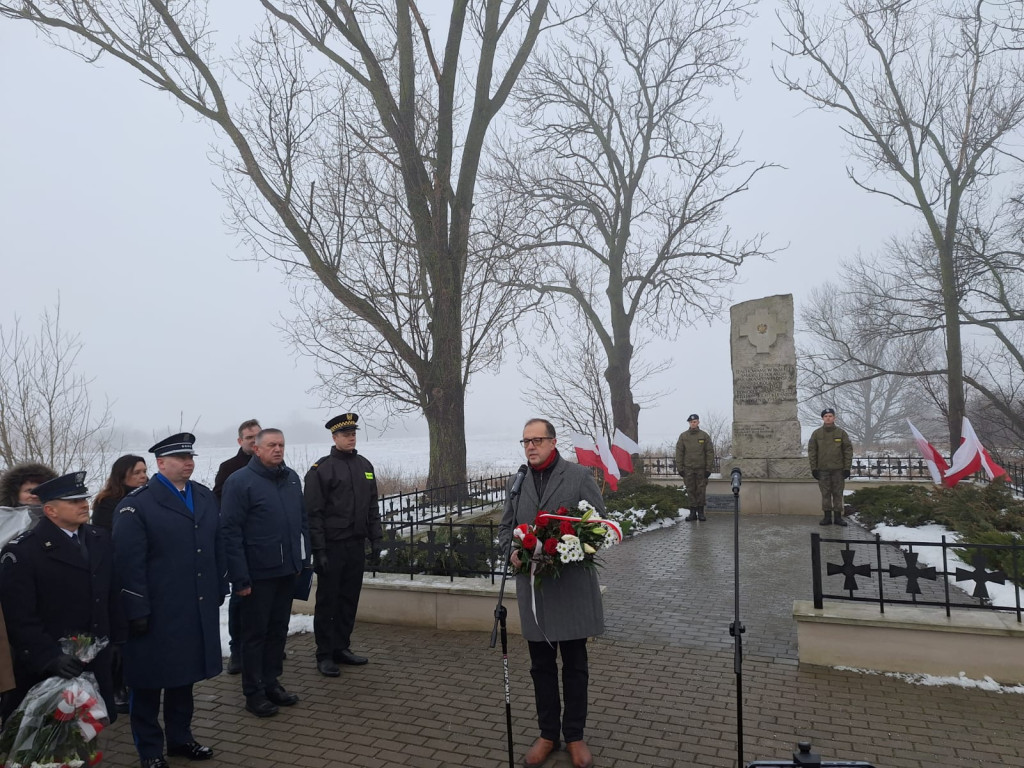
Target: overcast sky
(107, 200)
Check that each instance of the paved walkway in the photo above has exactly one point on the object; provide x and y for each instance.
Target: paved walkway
(662, 681)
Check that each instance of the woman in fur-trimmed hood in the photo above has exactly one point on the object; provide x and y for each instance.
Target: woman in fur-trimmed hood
(14, 478)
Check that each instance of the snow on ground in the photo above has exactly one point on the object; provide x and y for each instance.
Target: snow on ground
(962, 681)
(1003, 595)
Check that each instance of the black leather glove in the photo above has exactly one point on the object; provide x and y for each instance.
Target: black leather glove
(65, 665)
(375, 550)
(846, 474)
(814, 474)
(138, 627)
(320, 562)
(707, 475)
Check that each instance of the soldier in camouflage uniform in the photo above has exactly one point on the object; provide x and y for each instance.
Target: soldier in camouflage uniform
(831, 455)
(695, 460)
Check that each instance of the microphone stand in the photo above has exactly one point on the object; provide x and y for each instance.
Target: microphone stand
(803, 757)
(500, 615)
(736, 629)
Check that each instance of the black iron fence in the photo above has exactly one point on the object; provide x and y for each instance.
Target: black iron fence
(440, 549)
(873, 467)
(444, 502)
(873, 571)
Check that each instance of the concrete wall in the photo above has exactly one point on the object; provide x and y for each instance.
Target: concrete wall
(913, 640)
(433, 602)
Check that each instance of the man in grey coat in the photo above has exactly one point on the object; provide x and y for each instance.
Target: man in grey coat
(568, 609)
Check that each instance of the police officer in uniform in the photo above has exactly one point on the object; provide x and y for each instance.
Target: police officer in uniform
(695, 460)
(830, 453)
(57, 580)
(173, 581)
(341, 499)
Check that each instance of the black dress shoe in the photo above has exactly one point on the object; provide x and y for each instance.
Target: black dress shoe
(260, 705)
(278, 695)
(327, 668)
(347, 657)
(234, 663)
(192, 750)
(154, 762)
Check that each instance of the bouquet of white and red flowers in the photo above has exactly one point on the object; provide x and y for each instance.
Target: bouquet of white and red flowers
(54, 727)
(559, 540)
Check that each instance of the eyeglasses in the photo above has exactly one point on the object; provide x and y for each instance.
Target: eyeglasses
(533, 440)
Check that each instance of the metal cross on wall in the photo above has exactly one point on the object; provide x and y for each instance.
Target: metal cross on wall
(849, 569)
(912, 571)
(980, 575)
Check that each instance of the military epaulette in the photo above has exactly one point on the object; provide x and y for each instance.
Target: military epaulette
(138, 490)
(23, 535)
(320, 461)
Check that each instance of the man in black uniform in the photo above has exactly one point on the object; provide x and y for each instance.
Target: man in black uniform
(57, 581)
(247, 432)
(341, 499)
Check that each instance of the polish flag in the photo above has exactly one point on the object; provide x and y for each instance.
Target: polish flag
(611, 470)
(937, 465)
(971, 457)
(623, 449)
(586, 451)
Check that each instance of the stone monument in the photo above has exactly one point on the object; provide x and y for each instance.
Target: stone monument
(766, 440)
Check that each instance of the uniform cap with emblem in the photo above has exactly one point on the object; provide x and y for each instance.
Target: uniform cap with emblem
(175, 445)
(70, 486)
(828, 410)
(344, 423)
(693, 417)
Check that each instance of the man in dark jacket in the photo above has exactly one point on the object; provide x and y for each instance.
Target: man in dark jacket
(341, 498)
(266, 539)
(173, 581)
(830, 453)
(56, 581)
(247, 432)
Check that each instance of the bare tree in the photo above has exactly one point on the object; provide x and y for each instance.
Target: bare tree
(932, 99)
(330, 109)
(46, 412)
(569, 383)
(627, 175)
(863, 374)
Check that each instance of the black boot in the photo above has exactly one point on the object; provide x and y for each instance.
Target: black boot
(837, 519)
(692, 516)
(700, 514)
(827, 520)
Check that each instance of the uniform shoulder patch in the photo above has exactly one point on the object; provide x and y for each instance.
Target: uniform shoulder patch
(8, 557)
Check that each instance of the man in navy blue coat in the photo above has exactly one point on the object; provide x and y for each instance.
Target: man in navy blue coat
(266, 541)
(58, 581)
(173, 581)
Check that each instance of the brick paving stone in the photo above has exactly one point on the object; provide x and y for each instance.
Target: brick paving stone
(662, 681)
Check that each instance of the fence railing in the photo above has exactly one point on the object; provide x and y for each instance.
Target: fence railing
(874, 571)
(877, 467)
(443, 502)
(440, 549)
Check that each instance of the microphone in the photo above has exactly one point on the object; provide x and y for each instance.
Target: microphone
(517, 484)
(736, 477)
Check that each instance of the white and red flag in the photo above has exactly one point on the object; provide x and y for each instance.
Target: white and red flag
(969, 458)
(623, 449)
(611, 471)
(586, 451)
(936, 462)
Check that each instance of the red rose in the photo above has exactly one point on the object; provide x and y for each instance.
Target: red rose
(529, 542)
(542, 519)
(567, 529)
(551, 547)
(563, 511)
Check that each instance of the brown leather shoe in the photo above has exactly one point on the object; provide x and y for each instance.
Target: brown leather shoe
(580, 754)
(539, 752)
